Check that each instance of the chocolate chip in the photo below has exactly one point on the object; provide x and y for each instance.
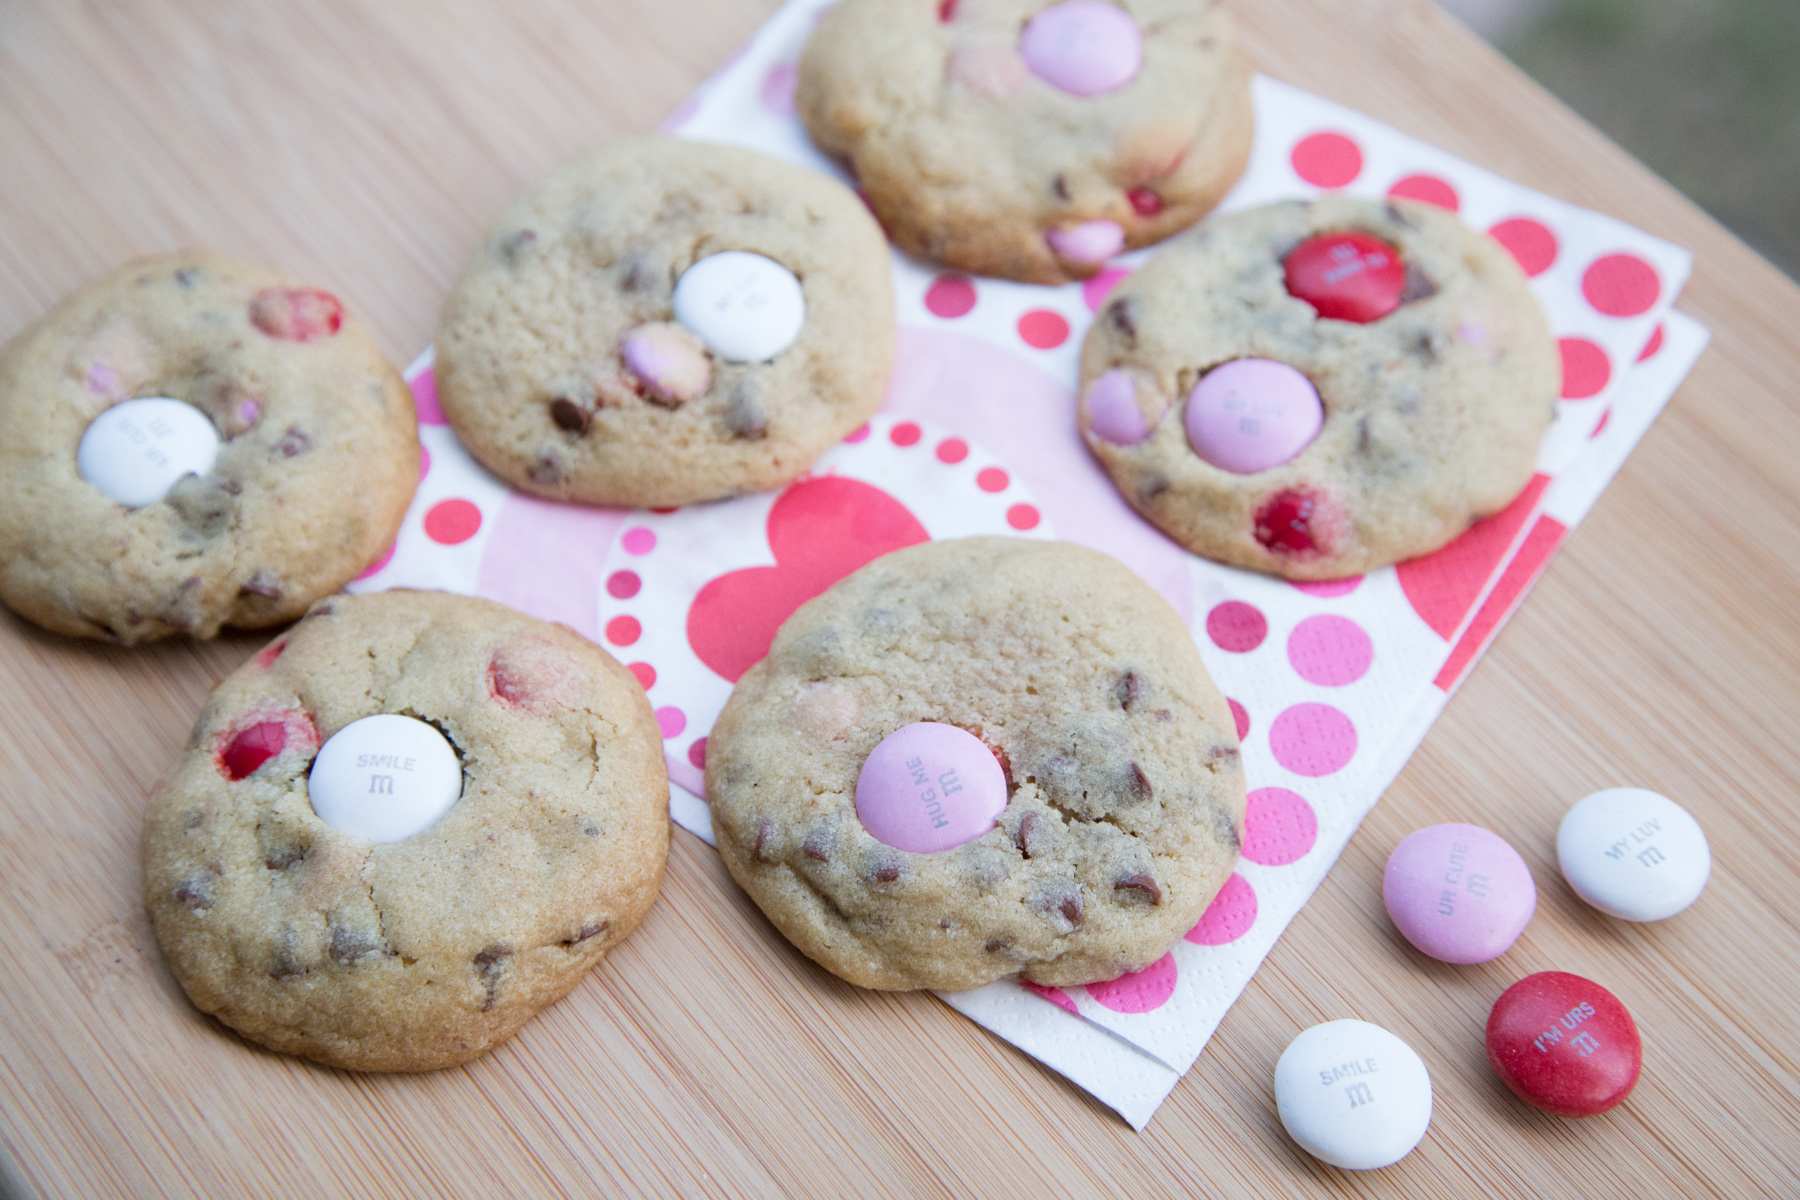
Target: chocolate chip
(1223, 752)
(1129, 688)
(203, 507)
(1071, 909)
(186, 276)
(1028, 833)
(1418, 286)
(1400, 216)
(348, 945)
(294, 443)
(322, 610)
(547, 471)
(194, 820)
(264, 583)
(1140, 782)
(765, 829)
(1137, 889)
(587, 931)
(287, 962)
(887, 872)
(998, 945)
(488, 966)
(819, 845)
(744, 414)
(1060, 185)
(1060, 899)
(1122, 314)
(569, 415)
(285, 857)
(195, 891)
(1163, 714)
(1362, 435)
(514, 244)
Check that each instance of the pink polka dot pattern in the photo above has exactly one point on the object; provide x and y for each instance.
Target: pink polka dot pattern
(952, 450)
(1095, 291)
(697, 754)
(644, 673)
(1023, 517)
(1585, 368)
(671, 721)
(778, 89)
(424, 390)
(1330, 651)
(638, 541)
(950, 296)
(904, 434)
(424, 462)
(1054, 995)
(1532, 245)
(1042, 329)
(1312, 740)
(1329, 587)
(452, 522)
(1327, 160)
(1621, 285)
(623, 631)
(1651, 346)
(1229, 917)
(1428, 189)
(1236, 627)
(623, 585)
(992, 479)
(1140, 991)
(1280, 827)
(1240, 716)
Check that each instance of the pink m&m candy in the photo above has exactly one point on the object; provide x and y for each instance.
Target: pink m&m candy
(1089, 242)
(928, 787)
(1459, 893)
(1113, 413)
(1251, 414)
(1084, 47)
(1564, 1044)
(1347, 276)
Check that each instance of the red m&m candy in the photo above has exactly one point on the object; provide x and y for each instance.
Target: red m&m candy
(1347, 276)
(1564, 1044)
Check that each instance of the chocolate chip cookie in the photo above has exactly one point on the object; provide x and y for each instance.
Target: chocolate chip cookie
(975, 759)
(668, 322)
(378, 948)
(1027, 139)
(191, 442)
(1316, 389)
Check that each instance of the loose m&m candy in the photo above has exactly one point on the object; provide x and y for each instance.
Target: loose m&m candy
(1353, 1095)
(1634, 854)
(1459, 893)
(1347, 276)
(384, 778)
(928, 787)
(1564, 1044)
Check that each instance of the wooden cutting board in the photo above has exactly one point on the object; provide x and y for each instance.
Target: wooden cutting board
(366, 143)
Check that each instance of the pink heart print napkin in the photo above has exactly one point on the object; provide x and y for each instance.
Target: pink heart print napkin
(1333, 685)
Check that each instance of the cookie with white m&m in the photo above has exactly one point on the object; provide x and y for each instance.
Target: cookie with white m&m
(976, 759)
(403, 828)
(666, 322)
(1316, 389)
(190, 442)
(1031, 139)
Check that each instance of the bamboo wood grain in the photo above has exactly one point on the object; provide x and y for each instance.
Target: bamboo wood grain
(365, 144)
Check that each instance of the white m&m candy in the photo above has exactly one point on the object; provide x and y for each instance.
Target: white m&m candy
(136, 451)
(1353, 1095)
(745, 307)
(1633, 854)
(384, 778)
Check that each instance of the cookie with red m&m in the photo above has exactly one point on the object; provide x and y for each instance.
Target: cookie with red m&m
(976, 759)
(1315, 389)
(191, 442)
(405, 827)
(666, 322)
(1031, 139)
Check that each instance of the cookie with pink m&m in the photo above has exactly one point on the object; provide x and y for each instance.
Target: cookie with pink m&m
(1031, 139)
(405, 827)
(978, 759)
(190, 442)
(666, 322)
(1316, 389)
